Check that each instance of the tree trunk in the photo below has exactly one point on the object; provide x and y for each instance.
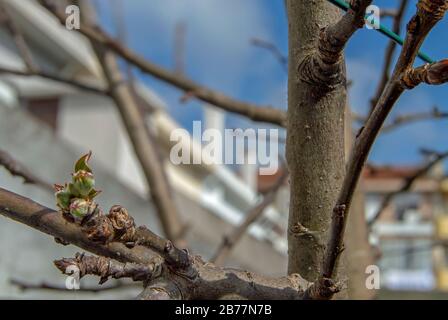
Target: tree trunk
(315, 145)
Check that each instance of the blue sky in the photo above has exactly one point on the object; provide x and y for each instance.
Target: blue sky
(219, 54)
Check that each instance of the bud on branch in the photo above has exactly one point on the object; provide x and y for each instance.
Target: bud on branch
(435, 74)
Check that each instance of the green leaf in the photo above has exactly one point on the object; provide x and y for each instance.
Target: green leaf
(73, 191)
(94, 193)
(81, 164)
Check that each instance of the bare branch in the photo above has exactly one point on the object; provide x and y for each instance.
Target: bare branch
(408, 183)
(251, 111)
(398, 121)
(435, 113)
(52, 223)
(323, 67)
(23, 285)
(26, 54)
(199, 280)
(231, 240)
(322, 289)
(106, 267)
(272, 48)
(54, 77)
(334, 38)
(17, 169)
(432, 73)
(389, 53)
(429, 12)
(392, 13)
(18, 38)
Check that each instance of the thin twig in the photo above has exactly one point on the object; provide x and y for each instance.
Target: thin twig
(400, 120)
(427, 16)
(18, 38)
(23, 285)
(407, 184)
(19, 170)
(251, 111)
(54, 77)
(389, 53)
(389, 13)
(145, 149)
(272, 48)
(230, 241)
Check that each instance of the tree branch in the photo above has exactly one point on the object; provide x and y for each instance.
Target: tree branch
(23, 285)
(17, 169)
(428, 14)
(18, 38)
(106, 267)
(144, 147)
(229, 242)
(280, 57)
(389, 12)
(196, 280)
(27, 56)
(51, 222)
(408, 183)
(322, 67)
(334, 38)
(435, 113)
(432, 73)
(141, 138)
(251, 111)
(54, 77)
(389, 53)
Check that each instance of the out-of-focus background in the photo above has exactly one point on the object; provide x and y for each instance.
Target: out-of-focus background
(239, 48)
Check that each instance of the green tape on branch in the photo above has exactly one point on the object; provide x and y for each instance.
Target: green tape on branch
(388, 33)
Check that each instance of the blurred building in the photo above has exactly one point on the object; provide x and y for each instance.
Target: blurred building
(411, 230)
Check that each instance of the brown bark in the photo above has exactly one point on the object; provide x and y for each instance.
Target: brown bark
(191, 277)
(315, 144)
(427, 16)
(52, 223)
(194, 90)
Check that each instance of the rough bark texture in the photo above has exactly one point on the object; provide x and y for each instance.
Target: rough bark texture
(315, 146)
(180, 276)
